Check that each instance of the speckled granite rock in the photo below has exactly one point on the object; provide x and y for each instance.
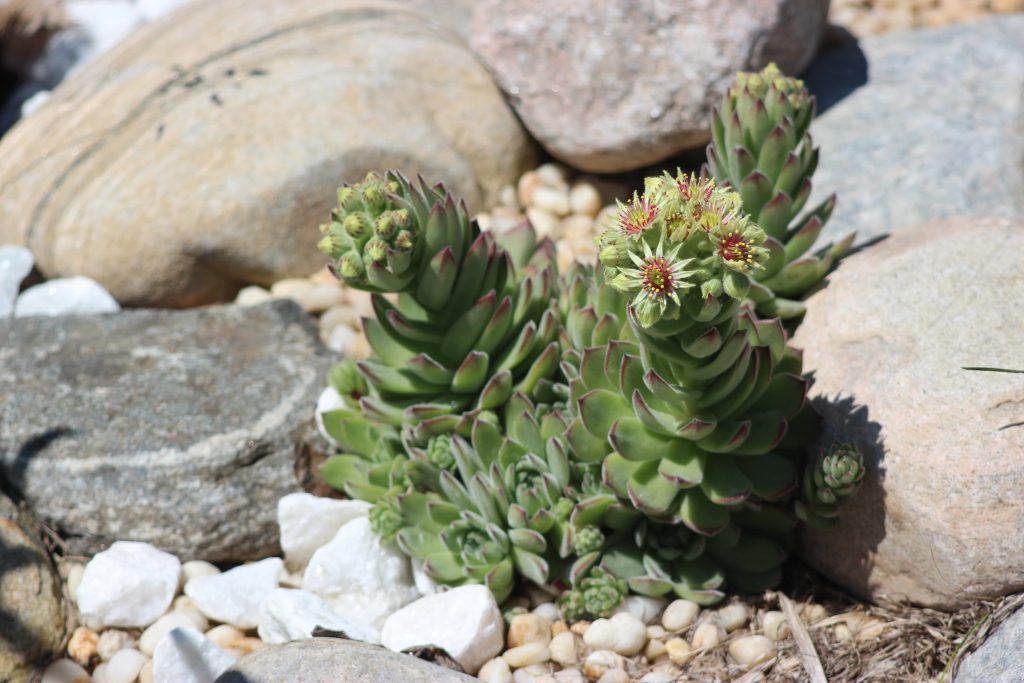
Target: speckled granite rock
(175, 428)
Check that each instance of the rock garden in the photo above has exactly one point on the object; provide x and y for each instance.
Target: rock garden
(361, 341)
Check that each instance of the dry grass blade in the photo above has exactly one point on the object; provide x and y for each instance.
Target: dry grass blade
(805, 647)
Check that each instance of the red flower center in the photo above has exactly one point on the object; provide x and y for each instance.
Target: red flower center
(734, 248)
(637, 216)
(657, 276)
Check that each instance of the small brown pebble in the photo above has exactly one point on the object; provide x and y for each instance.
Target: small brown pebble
(82, 646)
(559, 627)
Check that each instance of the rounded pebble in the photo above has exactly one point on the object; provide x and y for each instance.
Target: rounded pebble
(495, 671)
(99, 674)
(577, 227)
(600, 661)
(125, 665)
(196, 568)
(524, 655)
(76, 570)
(314, 297)
(658, 677)
(549, 611)
(813, 613)
(679, 615)
(507, 197)
(774, 625)
(842, 633)
(624, 633)
(644, 608)
(552, 175)
(733, 617)
(614, 676)
(65, 671)
(82, 645)
(551, 199)
(527, 185)
(146, 674)
(544, 222)
(563, 648)
(111, 642)
(580, 627)
(706, 636)
(224, 635)
(251, 296)
(584, 199)
(570, 676)
(559, 627)
(750, 651)
(156, 631)
(679, 651)
(871, 629)
(656, 631)
(529, 628)
(654, 649)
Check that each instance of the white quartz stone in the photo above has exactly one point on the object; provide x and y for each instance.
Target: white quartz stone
(234, 597)
(124, 666)
(644, 608)
(185, 656)
(623, 634)
(363, 579)
(464, 621)
(129, 584)
(308, 522)
(287, 615)
(65, 671)
(329, 400)
(15, 264)
(65, 296)
(424, 583)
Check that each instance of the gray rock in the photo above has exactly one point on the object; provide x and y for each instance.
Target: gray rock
(922, 125)
(938, 519)
(998, 659)
(32, 614)
(180, 429)
(331, 660)
(209, 157)
(613, 85)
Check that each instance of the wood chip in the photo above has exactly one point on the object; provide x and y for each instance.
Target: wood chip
(805, 647)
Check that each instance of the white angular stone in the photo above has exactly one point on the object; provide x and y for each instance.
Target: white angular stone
(329, 400)
(623, 634)
(130, 584)
(234, 597)
(15, 264)
(185, 656)
(361, 578)
(287, 615)
(464, 621)
(308, 522)
(65, 296)
(124, 666)
(65, 671)
(644, 608)
(158, 630)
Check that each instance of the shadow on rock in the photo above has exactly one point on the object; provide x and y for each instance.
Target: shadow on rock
(836, 73)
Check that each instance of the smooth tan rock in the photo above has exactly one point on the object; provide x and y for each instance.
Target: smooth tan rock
(935, 519)
(191, 160)
(529, 628)
(751, 650)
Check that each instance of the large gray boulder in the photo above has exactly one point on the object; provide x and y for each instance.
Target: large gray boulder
(32, 613)
(998, 659)
(203, 152)
(921, 126)
(613, 85)
(939, 518)
(176, 428)
(330, 660)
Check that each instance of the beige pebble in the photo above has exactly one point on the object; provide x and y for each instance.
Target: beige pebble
(341, 338)
(570, 676)
(99, 674)
(504, 219)
(679, 615)
(813, 613)
(623, 633)
(539, 669)
(524, 655)
(146, 672)
(870, 629)
(82, 645)
(706, 635)
(246, 645)
(123, 667)
(495, 671)
(552, 200)
(184, 605)
(197, 568)
(544, 222)
(563, 648)
(599, 662)
(578, 227)
(527, 185)
(679, 651)
(733, 617)
(584, 199)
(564, 255)
(111, 641)
(223, 635)
(580, 627)
(358, 348)
(529, 628)
(842, 632)
(614, 676)
(774, 625)
(65, 671)
(549, 611)
(484, 220)
(654, 649)
(250, 296)
(156, 631)
(312, 296)
(750, 651)
(552, 175)
(76, 570)
(507, 197)
(559, 627)
(656, 631)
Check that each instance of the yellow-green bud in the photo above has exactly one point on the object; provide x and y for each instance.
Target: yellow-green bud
(356, 225)
(346, 195)
(376, 249)
(351, 266)
(404, 240)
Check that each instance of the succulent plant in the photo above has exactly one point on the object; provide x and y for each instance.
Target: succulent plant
(834, 475)
(595, 596)
(760, 147)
